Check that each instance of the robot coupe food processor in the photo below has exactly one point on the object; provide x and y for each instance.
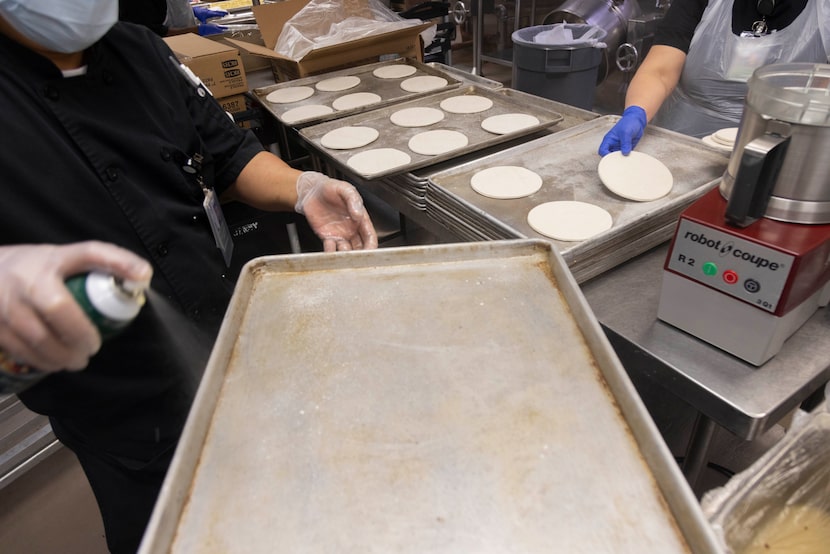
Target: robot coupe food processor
(750, 261)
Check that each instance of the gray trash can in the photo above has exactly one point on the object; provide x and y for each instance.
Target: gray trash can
(563, 72)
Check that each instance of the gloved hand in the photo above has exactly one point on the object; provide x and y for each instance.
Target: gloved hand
(625, 135)
(203, 13)
(41, 324)
(335, 211)
(207, 29)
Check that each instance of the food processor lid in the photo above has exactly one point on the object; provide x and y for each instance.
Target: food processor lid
(793, 92)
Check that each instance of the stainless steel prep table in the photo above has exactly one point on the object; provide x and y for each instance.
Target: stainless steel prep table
(744, 399)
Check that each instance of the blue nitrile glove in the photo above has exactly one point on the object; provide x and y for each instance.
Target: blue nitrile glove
(625, 135)
(206, 29)
(203, 13)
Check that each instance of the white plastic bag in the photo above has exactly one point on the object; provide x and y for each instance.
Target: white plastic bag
(328, 22)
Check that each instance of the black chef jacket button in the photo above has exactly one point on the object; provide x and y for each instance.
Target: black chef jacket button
(162, 249)
(112, 173)
(166, 155)
(51, 92)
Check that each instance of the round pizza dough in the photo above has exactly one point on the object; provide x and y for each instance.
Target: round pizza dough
(508, 123)
(336, 84)
(288, 95)
(637, 176)
(709, 141)
(569, 220)
(439, 141)
(301, 113)
(416, 117)
(395, 71)
(376, 160)
(355, 100)
(346, 138)
(726, 137)
(423, 83)
(506, 181)
(466, 103)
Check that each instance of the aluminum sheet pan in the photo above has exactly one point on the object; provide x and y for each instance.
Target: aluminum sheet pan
(465, 76)
(442, 399)
(567, 162)
(389, 90)
(393, 136)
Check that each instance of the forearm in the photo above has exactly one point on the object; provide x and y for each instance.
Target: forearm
(266, 183)
(656, 78)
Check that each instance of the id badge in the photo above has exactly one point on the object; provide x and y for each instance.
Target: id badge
(750, 53)
(221, 233)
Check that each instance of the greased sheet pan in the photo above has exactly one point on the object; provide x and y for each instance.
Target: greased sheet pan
(393, 136)
(444, 399)
(389, 90)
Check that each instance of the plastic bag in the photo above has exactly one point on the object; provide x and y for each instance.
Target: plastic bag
(569, 34)
(781, 503)
(328, 22)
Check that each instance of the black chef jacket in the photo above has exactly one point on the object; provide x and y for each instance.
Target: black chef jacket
(100, 156)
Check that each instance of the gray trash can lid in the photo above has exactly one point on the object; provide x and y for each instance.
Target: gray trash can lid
(584, 36)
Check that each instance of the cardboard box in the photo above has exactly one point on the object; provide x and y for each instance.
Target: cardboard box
(271, 17)
(218, 65)
(233, 104)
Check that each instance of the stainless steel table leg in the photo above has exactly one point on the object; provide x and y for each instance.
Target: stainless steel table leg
(697, 451)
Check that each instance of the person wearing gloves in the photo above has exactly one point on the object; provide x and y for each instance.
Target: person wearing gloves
(110, 143)
(694, 78)
(172, 17)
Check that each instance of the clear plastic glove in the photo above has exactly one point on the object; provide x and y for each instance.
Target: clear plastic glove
(203, 13)
(207, 29)
(335, 211)
(41, 324)
(625, 135)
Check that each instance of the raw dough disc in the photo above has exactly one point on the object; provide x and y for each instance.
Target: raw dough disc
(637, 176)
(346, 138)
(466, 103)
(506, 181)
(726, 136)
(439, 141)
(569, 220)
(336, 84)
(301, 113)
(416, 117)
(423, 83)
(709, 141)
(508, 123)
(288, 95)
(377, 160)
(396, 71)
(355, 100)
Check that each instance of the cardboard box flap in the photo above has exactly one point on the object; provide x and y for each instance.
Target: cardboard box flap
(327, 50)
(191, 45)
(271, 18)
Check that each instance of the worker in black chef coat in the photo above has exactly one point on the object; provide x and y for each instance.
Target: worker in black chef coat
(105, 141)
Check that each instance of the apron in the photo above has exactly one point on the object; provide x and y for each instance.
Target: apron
(713, 84)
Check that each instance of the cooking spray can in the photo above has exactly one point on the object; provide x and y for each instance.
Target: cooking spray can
(109, 302)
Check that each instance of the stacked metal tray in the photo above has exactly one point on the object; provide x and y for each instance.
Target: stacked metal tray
(389, 90)
(567, 162)
(442, 399)
(393, 136)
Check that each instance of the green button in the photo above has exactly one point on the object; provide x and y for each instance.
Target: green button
(710, 269)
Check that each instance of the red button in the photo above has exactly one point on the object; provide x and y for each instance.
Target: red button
(730, 277)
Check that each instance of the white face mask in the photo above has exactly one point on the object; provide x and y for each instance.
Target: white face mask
(65, 26)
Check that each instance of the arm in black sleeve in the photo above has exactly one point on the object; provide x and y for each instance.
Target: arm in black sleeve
(678, 26)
